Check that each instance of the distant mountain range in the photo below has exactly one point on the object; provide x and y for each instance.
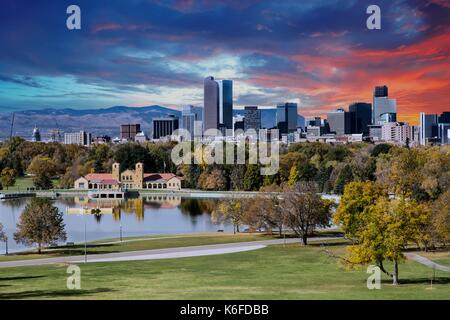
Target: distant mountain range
(98, 121)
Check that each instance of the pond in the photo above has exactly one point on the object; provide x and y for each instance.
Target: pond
(151, 215)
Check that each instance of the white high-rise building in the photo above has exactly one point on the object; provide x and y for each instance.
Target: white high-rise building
(81, 138)
(396, 132)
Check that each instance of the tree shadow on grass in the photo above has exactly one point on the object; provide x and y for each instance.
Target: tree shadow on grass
(52, 294)
(335, 243)
(68, 251)
(437, 280)
(20, 278)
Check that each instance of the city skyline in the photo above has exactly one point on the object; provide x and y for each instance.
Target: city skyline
(155, 52)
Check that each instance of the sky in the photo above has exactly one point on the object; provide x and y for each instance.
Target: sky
(317, 53)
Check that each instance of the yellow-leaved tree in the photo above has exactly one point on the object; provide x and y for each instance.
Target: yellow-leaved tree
(379, 227)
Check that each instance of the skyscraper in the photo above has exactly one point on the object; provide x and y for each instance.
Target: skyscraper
(444, 117)
(381, 91)
(81, 138)
(382, 104)
(286, 117)
(218, 104)
(129, 131)
(340, 122)
(163, 127)
(428, 127)
(188, 121)
(252, 118)
(362, 117)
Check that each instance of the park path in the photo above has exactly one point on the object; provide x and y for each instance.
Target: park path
(153, 254)
(426, 262)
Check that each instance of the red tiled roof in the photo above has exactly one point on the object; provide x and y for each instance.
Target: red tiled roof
(98, 176)
(105, 178)
(158, 176)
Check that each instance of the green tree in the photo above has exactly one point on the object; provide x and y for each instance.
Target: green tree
(8, 177)
(345, 176)
(41, 223)
(382, 148)
(43, 169)
(252, 178)
(357, 199)
(237, 177)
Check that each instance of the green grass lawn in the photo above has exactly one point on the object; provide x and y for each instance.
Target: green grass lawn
(275, 272)
(22, 183)
(158, 242)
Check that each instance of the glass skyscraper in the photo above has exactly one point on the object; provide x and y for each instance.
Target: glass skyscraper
(287, 117)
(382, 104)
(218, 104)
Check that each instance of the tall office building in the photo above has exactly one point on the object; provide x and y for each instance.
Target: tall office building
(129, 131)
(163, 127)
(340, 122)
(362, 117)
(81, 138)
(444, 117)
(382, 104)
(287, 117)
(428, 127)
(218, 104)
(252, 118)
(444, 133)
(381, 91)
(188, 122)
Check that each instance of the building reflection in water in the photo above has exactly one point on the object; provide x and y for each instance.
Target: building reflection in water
(117, 207)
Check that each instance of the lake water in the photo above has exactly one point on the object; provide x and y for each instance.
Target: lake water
(152, 215)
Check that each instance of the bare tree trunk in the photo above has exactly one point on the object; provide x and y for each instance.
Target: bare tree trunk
(281, 231)
(395, 274)
(234, 229)
(305, 239)
(237, 228)
(39, 248)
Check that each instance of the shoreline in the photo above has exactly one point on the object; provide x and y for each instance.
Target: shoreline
(186, 193)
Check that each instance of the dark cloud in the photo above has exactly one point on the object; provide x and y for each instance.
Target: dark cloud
(141, 46)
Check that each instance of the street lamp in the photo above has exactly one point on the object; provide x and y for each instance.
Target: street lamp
(85, 242)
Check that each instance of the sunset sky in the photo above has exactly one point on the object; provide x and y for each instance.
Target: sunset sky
(140, 52)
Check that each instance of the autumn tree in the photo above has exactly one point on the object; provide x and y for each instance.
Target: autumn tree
(379, 228)
(212, 180)
(439, 228)
(306, 210)
(294, 176)
(230, 210)
(8, 177)
(43, 169)
(41, 223)
(267, 212)
(357, 199)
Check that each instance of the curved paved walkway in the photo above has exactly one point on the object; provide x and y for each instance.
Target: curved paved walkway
(426, 262)
(180, 252)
